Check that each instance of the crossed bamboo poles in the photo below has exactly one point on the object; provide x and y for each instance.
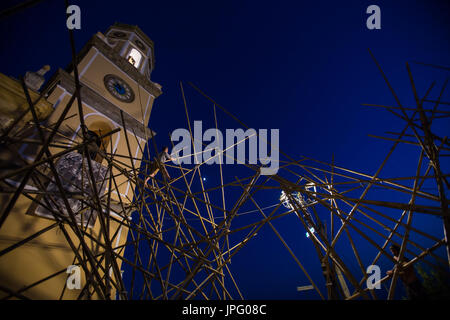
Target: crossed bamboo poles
(181, 241)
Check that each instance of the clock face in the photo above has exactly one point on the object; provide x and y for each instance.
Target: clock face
(118, 88)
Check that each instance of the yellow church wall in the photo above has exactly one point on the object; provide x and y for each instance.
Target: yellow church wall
(50, 252)
(45, 255)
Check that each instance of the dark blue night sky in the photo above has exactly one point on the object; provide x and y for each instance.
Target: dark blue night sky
(300, 66)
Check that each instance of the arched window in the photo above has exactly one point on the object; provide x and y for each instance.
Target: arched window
(134, 57)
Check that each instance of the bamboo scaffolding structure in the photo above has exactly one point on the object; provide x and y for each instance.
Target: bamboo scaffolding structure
(182, 234)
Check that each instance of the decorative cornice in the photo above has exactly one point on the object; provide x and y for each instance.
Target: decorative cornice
(102, 105)
(134, 29)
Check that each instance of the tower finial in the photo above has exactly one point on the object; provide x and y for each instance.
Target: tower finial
(35, 80)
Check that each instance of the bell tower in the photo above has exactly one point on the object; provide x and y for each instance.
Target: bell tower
(114, 71)
(117, 96)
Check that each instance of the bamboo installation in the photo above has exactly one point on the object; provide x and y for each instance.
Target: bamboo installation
(184, 234)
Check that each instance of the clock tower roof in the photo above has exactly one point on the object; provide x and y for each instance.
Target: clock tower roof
(131, 28)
